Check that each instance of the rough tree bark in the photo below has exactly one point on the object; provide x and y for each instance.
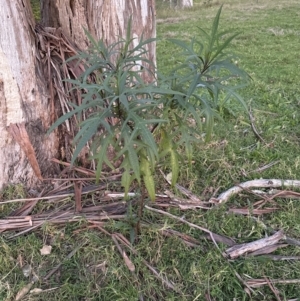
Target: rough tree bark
(184, 3)
(25, 149)
(104, 19)
(25, 113)
(180, 3)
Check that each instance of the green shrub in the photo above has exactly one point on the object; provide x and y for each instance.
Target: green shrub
(152, 120)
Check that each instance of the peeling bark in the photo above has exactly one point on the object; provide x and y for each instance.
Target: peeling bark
(23, 97)
(239, 250)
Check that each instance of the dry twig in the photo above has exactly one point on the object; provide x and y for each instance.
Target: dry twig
(239, 250)
(119, 237)
(266, 183)
(211, 234)
(255, 131)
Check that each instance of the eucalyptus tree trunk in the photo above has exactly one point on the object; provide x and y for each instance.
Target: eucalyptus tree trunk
(26, 108)
(184, 3)
(104, 19)
(179, 3)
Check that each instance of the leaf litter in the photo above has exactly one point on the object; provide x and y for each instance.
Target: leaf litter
(106, 209)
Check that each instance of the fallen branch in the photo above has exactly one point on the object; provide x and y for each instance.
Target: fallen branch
(265, 183)
(289, 240)
(239, 250)
(267, 249)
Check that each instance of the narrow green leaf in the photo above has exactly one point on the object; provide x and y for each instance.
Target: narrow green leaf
(101, 156)
(126, 181)
(214, 28)
(174, 165)
(63, 118)
(134, 163)
(222, 47)
(86, 134)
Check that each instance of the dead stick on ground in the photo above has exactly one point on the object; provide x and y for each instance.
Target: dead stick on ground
(273, 289)
(266, 183)
(185, 222)
(264, 167)
(289, 240)
(37, 199)
(36, 226)
(127, 261)
(62, 196)
(252, 119)
(241, 249)
(125, 242)
(241, 279)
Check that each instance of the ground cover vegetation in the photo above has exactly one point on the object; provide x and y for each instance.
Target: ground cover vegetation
(267, 48)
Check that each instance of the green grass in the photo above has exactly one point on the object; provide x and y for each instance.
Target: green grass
(268, 49)
(35, 4)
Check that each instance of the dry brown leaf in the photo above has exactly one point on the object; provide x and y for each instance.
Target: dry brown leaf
(24, 291)
(128, 262)
(46, 250)
(36, 291)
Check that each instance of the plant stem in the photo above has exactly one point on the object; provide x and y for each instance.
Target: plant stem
(140, 209)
